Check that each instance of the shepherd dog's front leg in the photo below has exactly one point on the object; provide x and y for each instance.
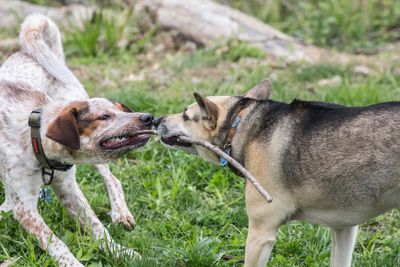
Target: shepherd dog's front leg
(264, 221)
(260, 242)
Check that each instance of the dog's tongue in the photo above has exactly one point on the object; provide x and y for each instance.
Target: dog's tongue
(115, 141)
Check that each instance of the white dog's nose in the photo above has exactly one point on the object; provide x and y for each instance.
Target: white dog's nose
(147, 118)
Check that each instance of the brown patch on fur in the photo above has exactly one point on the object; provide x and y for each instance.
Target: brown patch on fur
(33, 33)
(20, 91)
(33, 224)
(87, 126)
(122, 107)
(64, 129)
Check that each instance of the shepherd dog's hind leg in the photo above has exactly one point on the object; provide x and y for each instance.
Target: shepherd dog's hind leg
(343, 241)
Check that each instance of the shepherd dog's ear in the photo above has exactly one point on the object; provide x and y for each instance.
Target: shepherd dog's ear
(64, 129)
(261, 91)
(208, 109)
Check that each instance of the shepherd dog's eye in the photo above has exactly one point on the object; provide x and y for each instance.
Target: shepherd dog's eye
(104, 117)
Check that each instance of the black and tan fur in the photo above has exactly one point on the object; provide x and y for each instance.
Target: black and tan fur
(323, 163)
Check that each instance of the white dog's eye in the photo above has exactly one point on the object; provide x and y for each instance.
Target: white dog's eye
(104, 117)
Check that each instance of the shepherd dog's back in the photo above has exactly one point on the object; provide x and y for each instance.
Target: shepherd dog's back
(350, 155)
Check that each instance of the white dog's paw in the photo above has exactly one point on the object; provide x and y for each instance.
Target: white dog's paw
(69, 261)
(124, 216)
(133, 254)
(77, 264)
(121, 251)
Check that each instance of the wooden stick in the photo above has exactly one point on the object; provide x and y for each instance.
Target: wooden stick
(232, 161)
(221, 153)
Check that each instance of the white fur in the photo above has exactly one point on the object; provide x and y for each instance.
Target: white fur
(41, 69)
(41, 39)
(45, 69)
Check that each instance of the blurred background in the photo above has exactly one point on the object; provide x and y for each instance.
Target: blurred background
(359, 26)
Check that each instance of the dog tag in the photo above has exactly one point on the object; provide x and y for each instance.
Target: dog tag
(223, 162)
(235, 122)
(45, 195)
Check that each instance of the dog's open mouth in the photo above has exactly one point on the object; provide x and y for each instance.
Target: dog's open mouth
(125, 140)
(174, 141)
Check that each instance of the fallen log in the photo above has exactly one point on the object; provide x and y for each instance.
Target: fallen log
(13, 12)
(204, 22)
(207, 22)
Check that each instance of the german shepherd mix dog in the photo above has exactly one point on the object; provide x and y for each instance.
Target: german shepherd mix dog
(323, 163)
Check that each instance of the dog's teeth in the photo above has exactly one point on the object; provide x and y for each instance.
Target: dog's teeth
(116, 139)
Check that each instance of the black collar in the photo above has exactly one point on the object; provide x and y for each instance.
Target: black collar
(48, 166)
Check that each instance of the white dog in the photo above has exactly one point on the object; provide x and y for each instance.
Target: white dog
(69, 129)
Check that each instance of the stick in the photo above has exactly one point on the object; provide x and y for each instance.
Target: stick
(233, 162)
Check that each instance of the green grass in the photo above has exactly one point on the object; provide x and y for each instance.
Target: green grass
(189, 212)
(353, 25)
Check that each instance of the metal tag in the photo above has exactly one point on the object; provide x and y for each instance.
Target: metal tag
(235, 122)
(223, 162)
(45, 195)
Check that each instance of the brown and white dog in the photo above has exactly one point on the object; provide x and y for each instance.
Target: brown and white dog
(323, 163)
(74, 129)
(41, 63)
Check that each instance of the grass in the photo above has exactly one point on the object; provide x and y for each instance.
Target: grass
(189, 212)
(357, 25)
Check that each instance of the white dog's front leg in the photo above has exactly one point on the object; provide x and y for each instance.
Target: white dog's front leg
(34, 224)
(24, 205)
(72, 198)
(119, 209)
(343, 241)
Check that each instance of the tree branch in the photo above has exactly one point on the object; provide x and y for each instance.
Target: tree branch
(233, 162)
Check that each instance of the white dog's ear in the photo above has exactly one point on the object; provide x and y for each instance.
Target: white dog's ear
(121, 106)
(64, 129)
(261, 90)
(208, 109)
